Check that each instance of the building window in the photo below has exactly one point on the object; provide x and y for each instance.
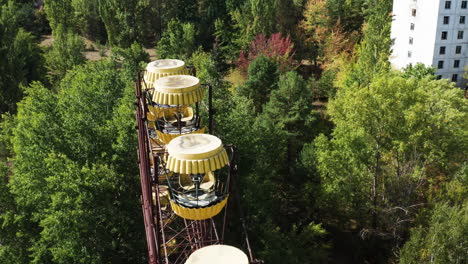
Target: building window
(457, 49)
(411, 41)
(462, 19)
(454, 77)
(409, 54)
(448, 4)
(439, 77)
(444, 35)
(442, 50)
(446, 20)
(412, 26)
(413, 12)
(460, 34)
(456, 63)
(463, 5)
(440, 65)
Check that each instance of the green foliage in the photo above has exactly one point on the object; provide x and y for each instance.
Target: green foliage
(290, 107)
(65, 53)
(206, 67)
(465, 76)
(209, 11)
(178, 41)
(21, 61)
(182, 10)
(349, 13)
(300, 245)
(128, 21)
(7, 123)
(132, 59)
(276, 190)
(324, 87)
(419, 71)
(87, 19)
(69, 190)
(262, 79)
(75, 181)
(444, 241)
(390, 139)
(263, 14)
(374, 50)
(8, 253)
(224, 41)
(252, 18)
(60, 13)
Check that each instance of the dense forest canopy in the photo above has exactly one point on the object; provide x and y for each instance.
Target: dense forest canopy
(341, 158)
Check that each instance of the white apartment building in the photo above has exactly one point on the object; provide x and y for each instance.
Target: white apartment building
(433, 32)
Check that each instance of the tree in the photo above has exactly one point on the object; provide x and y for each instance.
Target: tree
(440, 235)
(10, 251)
(65, 53)
(263, 77)
(276, 48)
(208, 12)
(390, 139)
(445, 239)
(465, 76)
(132, 59)
(74, 181)
(60, 13)
(325, 40)
(350, 13)
(263, 13)
(178, 41)
(315, 24)
(88, 21)
(374, 50)
(279, 190)
(224, 40)
(129, 21)
(21, 63)
(419, 71)
(34, 136)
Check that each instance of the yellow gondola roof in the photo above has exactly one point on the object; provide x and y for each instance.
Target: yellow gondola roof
(162, 68)
(177, 90)
(196, 153)
(215, 254)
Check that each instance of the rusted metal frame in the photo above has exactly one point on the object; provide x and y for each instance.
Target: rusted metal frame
(161, 235)
(183, 255)
(200, 234)
(186, 251)
(215, 231)
(173, 215)
(231, 164)
(190, 243)
(195, 232)
(180, 231)
(188, 233)
(210, 109)
(143, 163)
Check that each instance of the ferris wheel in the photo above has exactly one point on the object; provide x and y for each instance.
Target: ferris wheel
(187, 176)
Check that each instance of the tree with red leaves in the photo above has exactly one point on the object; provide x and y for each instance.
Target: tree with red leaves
(277, 48)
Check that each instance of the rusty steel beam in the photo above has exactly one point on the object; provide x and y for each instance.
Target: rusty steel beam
(144, 166)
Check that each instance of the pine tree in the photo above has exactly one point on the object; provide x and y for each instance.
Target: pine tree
(262, 80)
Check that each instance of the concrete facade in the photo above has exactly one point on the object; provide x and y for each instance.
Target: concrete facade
(433, 32)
